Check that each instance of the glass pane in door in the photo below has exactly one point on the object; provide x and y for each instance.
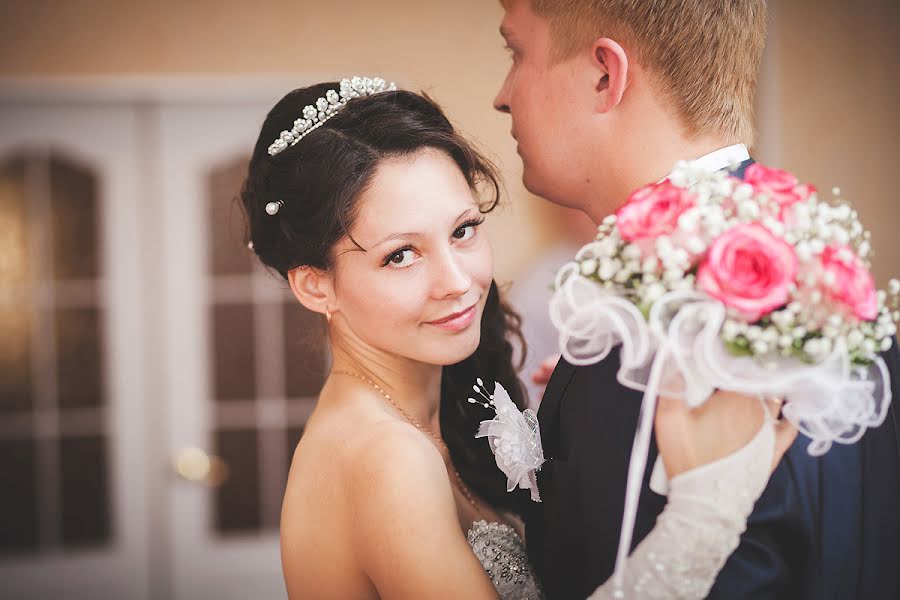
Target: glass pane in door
(51, 359)
(268, 366)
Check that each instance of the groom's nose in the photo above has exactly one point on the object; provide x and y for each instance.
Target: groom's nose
(501, 105)
(501, 100)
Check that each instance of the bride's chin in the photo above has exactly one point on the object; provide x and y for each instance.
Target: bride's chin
(456, 353)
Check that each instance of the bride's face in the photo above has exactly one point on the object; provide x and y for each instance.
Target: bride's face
(419, 287)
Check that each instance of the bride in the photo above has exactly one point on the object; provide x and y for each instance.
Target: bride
(369, 203)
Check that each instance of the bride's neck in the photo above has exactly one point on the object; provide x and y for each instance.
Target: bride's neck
(413, 386)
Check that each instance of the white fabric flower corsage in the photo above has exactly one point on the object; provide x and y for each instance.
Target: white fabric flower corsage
(514, 437)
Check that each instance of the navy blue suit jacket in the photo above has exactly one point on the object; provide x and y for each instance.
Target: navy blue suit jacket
(825, 527)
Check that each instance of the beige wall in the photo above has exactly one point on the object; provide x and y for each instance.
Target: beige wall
(833, 111)
(828, 109)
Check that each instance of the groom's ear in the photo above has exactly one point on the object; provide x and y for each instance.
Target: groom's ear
(313, 288)
(610, 65)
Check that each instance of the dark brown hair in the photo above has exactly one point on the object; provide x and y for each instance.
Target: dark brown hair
(320, 180)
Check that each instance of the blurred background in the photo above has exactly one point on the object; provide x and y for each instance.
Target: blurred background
(153, 381)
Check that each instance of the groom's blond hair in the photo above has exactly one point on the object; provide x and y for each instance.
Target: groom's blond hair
(703, 55)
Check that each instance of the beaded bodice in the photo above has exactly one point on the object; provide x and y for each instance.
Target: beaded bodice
(502, 554)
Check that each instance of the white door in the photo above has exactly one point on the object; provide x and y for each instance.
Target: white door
(72, 377)
(242, 363)
(153, 379)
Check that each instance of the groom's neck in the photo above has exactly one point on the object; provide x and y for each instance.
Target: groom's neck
(641, 159)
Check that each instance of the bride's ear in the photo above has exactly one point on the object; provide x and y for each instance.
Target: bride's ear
(610, 64)
(313, 288)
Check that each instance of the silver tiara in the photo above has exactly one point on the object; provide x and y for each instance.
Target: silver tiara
(314, 116)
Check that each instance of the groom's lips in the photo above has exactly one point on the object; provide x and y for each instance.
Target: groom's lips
(456, 321)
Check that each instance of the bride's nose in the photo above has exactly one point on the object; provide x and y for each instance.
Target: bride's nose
(450, 277)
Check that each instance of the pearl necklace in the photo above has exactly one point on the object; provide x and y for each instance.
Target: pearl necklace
(443, 446)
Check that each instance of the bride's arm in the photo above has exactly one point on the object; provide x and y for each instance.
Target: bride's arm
(407, 533)
(719, 458)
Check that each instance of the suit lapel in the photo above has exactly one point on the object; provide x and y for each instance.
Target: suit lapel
(548, 412)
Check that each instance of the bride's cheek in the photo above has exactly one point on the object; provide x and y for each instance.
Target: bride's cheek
(484, 264)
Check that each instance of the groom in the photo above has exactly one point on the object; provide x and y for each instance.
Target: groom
(605, 96)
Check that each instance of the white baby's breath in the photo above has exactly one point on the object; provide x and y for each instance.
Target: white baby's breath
(894, 287)
(811, 325)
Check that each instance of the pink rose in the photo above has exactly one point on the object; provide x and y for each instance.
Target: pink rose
(781, 186)
(846, 280)
(749, 270)
(653, 211)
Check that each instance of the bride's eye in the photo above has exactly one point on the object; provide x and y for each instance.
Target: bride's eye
(400, 258)
(466, 230)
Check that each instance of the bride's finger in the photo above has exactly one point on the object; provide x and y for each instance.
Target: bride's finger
(773, 405)
(541, 375)
(785, 434)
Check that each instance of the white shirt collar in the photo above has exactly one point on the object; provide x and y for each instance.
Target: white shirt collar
(723, 158)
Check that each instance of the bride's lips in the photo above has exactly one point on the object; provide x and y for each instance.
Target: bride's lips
(456, 321)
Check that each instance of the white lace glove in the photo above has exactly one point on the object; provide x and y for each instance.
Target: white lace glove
(700, 527)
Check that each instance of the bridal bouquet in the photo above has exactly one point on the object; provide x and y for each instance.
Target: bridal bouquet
(753, 285)
(756, 286)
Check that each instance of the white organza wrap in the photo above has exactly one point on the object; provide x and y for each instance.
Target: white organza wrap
(830, 401)
(677, 351)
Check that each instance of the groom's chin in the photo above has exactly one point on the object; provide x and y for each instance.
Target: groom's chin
(544, 188)
(534, 182)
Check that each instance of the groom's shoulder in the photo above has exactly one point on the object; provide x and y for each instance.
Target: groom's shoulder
(560, 377)
(568, 379)
(587, 397)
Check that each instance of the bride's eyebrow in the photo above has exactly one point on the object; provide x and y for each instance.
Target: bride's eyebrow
(413, 234)
(394, 236)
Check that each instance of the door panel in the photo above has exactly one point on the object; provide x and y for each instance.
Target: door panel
(233, 388)
(72, 403)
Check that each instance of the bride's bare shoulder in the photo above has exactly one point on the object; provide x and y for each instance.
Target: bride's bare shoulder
(369, 444)
(391, 463)
(395, 453)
